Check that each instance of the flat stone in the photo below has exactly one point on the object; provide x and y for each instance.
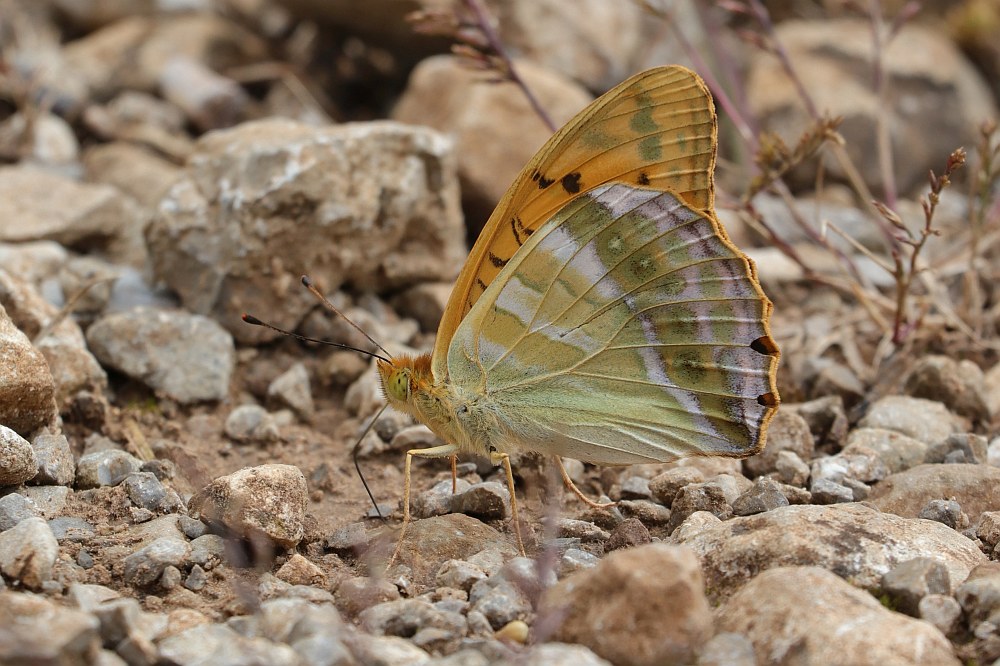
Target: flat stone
(975, 487)
(854, 541)
(187, 357)
(821, 619)
(108, 467)
(926, 420)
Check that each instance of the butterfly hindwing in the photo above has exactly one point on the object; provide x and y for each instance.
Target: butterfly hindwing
(655, 130)
(628, 329)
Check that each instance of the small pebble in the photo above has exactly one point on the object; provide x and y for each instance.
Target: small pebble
(948, 512)
(764, 495)
(196, 579)
(826, 491)
(192, 528)
(631, 532)
(145, 490)
(635, 487)
(107, 467)
(941, 610)
(908, 582)
(488, 500)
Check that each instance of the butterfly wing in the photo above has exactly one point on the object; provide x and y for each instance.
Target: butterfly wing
(656, 129)
(627, 329)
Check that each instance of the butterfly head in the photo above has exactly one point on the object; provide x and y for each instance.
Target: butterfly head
(404, 376)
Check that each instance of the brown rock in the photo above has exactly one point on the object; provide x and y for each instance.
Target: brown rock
(628, 534)
(807, 615)
(17, 459)
(975, 487)
(637, 607)
(26, 385)
(72, 366)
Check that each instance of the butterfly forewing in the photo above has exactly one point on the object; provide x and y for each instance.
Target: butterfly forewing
(655, 130)
(628, 329)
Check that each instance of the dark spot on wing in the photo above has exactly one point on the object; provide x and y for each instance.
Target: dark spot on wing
(497, 261)
(482, 285)
(542, 181)
(571, 182)
(767, 400)
(514, 224)
(643, 178)
(764, 345)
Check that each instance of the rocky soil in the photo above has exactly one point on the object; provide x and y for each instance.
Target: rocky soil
(177, 487)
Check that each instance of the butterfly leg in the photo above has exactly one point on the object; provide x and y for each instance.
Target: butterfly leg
(433, 452)
(454, 474)
(498, 458)
(579, 493)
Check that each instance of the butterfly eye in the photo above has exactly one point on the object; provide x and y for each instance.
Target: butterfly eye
(398, 385)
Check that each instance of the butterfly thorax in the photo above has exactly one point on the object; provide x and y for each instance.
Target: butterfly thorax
(456, 414)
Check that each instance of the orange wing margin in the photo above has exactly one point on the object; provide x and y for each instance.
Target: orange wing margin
(656, 129)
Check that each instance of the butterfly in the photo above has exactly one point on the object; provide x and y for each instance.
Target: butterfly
(603, 314)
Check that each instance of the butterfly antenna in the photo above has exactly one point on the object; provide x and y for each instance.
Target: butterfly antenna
(308, 284)
(250, 319)
(357, 465)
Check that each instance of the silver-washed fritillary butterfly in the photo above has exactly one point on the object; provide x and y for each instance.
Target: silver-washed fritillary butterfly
(603, 314)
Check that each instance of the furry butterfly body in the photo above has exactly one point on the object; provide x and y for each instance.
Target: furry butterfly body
(603, 314)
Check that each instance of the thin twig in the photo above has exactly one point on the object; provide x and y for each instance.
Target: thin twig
(496, 44)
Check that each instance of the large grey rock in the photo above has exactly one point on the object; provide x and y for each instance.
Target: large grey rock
(271, 188)
(187, 357)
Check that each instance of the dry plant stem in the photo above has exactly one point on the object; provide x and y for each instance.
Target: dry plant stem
(718, 92)
(483, 21)
(763, 18)
(885, 159)
(67, 307)
(309, 96)
(907, 267)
